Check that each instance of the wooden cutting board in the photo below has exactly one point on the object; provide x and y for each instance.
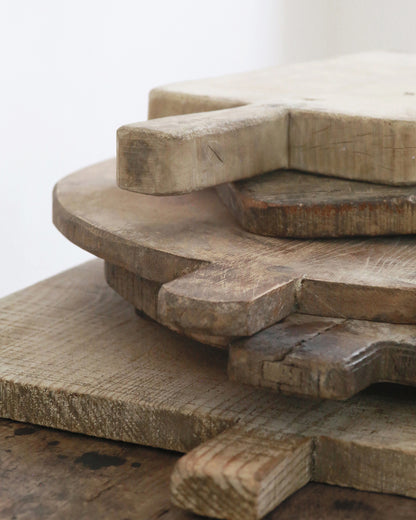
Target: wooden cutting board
(351, 117)
(218, 281)
(287, 203)
(75, 357)
(308, 356)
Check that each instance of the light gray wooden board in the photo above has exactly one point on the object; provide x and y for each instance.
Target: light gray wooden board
(295, 204)
(74, 356)
(218, 281)
(309, 356)
(352, 117)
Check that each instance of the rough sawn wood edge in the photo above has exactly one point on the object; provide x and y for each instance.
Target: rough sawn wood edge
(74, 317)
(241, 475)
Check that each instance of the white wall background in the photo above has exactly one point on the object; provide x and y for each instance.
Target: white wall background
(73, 71)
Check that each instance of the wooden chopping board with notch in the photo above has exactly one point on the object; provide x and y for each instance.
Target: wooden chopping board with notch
(352, 117)
(215, 281)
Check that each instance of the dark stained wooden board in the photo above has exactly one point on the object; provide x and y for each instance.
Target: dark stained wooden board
(287, 203)
(352, 117)
(218, 281)
(53, 474)
(330, 358)
(74, 356)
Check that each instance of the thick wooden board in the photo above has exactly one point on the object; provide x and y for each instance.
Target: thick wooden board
(52, 474)
(352, 117)
(218, 281)
(295, 204)
(328, 358)
(75, 357)
(309, 356)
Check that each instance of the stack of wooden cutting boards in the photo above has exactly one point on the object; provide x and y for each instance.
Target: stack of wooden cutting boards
(272, 213)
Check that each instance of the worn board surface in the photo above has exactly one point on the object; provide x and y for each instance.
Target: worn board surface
(53, 474)
(352, 117)
(74, 356)
(295, 204)
(309, 356)
(313, 356)
(218, 281)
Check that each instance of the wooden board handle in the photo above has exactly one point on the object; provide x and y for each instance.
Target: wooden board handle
(241, 475)
(184, 153)
(226, 301)
(312, 356)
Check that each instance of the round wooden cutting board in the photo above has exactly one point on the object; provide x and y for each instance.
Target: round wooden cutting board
(220, 281)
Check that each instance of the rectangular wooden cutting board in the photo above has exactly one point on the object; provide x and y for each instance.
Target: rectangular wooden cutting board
(352, 117)
(75, 356)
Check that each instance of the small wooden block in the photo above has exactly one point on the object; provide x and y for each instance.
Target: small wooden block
(352, 117)
(76, 357)
(295, 204)
(241, 475)
(328, 358)
(214, 280)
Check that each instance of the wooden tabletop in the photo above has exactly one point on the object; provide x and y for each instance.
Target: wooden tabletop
(47, 473)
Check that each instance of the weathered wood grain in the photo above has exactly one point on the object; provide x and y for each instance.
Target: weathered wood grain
(309, 356)
(140, 292)
(241, 475)
(76, 357)
(295, 204)
(200, 147)
(219, 281)
(328, 358)
(57, 475)
(352, 117)
(143, 294)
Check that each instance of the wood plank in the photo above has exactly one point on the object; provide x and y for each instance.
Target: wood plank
(352, 117)
(218, 281)
(240, 475)
(55, 474)
(325, 357)
(76, 357)
(295, 204)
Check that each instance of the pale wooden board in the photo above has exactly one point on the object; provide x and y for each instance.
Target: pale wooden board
(352, 117)
(76, 357)
(309, 356)
(58, 475)
(220, 281)
(295, 204)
